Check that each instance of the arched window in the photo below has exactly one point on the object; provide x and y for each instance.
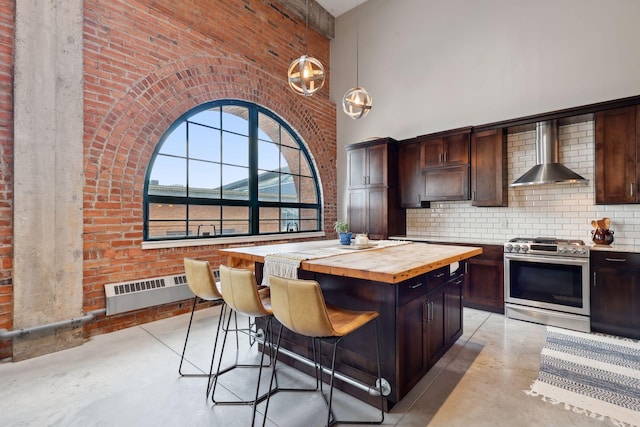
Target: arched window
(230, 168)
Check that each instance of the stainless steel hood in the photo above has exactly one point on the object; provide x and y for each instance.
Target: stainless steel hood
(547, 169)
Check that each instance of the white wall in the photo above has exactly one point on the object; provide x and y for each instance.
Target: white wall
(433, 65)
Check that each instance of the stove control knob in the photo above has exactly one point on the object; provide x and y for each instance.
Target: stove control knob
(582, 251)
(509, 247)
(525, 248)
(516, 248)
(572, 250)
(562, 250)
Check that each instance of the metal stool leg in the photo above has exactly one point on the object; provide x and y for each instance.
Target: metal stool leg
(219, 371)
(215, 346)
(184, 349)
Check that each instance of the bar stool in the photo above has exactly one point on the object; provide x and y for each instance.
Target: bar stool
(300, 307)
(241, 295)
(202, 283)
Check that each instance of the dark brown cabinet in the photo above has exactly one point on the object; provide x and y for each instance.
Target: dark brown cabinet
(449, 183)
(367, 164)
(484, 283)
(488, 168)
(444, 160)
(412, 341)
(411, 178)
(373, 205)
(615, 293)
(453, 296)
(429, 320)
(446, 150)
(617, 141)
(433, 316)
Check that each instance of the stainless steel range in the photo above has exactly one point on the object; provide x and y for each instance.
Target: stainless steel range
(546, 281)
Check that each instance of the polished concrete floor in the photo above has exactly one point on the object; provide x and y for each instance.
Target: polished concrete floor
(130, 378)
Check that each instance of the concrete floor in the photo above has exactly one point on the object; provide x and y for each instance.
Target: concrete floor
(129, 378)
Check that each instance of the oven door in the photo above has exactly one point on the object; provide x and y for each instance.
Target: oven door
(554, 283)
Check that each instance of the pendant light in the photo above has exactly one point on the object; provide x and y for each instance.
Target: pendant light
(356, 102)
(306, 74)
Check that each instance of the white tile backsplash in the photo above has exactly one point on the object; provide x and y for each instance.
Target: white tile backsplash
(559, 210)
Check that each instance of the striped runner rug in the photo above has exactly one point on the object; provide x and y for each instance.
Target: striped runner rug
(596, 375)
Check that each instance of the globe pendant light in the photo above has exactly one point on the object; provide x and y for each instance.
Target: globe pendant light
(306, 74)
(356, 102)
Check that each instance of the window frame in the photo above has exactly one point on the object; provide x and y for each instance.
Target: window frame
(253, 203)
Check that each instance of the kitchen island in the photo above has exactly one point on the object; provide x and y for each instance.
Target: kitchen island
(416, 288)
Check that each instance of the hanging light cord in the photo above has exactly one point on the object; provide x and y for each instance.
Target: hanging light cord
(306, 36)
(357, 45)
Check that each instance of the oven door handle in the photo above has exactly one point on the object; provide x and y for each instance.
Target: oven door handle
(546, 259)
(616, 259)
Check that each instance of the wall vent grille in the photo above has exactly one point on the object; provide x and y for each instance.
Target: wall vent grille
(137, 294)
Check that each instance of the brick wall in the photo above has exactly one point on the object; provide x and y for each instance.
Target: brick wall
(146, 63)
(6, 166)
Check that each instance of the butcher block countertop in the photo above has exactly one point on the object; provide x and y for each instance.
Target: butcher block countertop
(392, 264)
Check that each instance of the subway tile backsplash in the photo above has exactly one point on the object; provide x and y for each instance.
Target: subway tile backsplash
(555, 210)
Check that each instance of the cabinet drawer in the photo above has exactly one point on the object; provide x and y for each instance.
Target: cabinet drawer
(412, 289)
(437, 277)
(617, 260)
(420, 285)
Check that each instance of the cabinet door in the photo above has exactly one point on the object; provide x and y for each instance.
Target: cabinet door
(357, 167)
(484, 285)
(435, 326)
(456, 149)
(453, 310)
(377, 213)
(412, 344)
(615, 294)
(616, 164)
(377, 166)
(357, 210)
(431, 153)
(487, 172)
(412, 184)
(451, 183)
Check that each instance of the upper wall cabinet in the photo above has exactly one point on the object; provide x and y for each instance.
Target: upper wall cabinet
(488, 168)
(411, 179)
(444, 160)
(367, 165)
(450, 150)
(372, 199)
(617, 142)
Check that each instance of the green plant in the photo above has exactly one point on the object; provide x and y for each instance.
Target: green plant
(341, 226)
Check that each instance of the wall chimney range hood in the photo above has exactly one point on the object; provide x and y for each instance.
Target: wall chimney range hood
(547, 169)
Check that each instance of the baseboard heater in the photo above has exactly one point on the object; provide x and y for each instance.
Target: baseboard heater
(137, 294)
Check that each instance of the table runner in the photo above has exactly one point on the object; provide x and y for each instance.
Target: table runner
(286, 264)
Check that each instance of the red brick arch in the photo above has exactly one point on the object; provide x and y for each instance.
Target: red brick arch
(135, 124)
(119, 147)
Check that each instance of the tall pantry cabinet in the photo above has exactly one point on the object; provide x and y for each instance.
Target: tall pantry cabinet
(373, 204)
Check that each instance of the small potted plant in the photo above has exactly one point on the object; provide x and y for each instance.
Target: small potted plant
(342, 228)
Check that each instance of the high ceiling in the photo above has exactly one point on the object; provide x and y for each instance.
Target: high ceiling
(338, 7)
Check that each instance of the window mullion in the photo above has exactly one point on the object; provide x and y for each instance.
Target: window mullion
(254, 207)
